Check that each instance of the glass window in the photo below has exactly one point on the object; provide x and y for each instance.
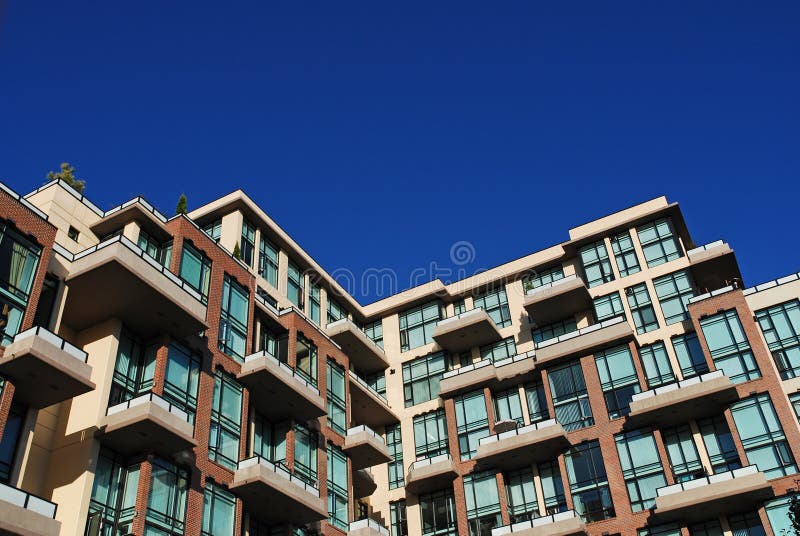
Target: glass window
(19, 259)
(778, 515)
(596, 266)
(160, 252)
(570, 398)
(483, 503)
(374, 330)
(608, 306)
(551, 331)
(588, 483)
(397, 518)
(495, 304)
(195, 269)
(430, 434)
(268, 261)
(521, 495)
(673, 291)
(337, 412)
(729, 347)
(644, 316)
(618, 379)
(499, 350)
(658, 241)
(421, 378)
(748, 524)
(295, 289)
(214, 230)
(781, 328)
(472, 422)
(337, 488)
(552, 487)
(335, 311)
(690, 355)
(306, 359)
(794, 400)
(219, 511)
(706, 528)
(417, 325)
(248, 242)
(181, 378)
(134, 369)
(656, 364)
(438, 513)
(459, 307)
(305, 454)
(113, 503)
(624, 253)
(661, 530)
(377, 381)
(719, 444)
(233, 319)
(507, 406)
(166, 504)
(11, 436)
(395, 444)
(762, 436)
(542, 277)
(226, 421)
(537, 402)
(314, 303)
(683, 455)
(269, 440)
(641, 468)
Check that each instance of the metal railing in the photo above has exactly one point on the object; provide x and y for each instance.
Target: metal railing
(430, 461)
(55, 340)
(535, 522)
(709, 246)
(271, 308)
(141, 201)
(531, 354)
(345, 321)
(366, 429)
(369, 524)
(678, 385)
(583, 331)
(518, 431)
(468, 368)
(773, 283)
(707, 480)
(279, 470)
(364, 383)
(144, 399)
(28, 501)
(263, 354)
(552, 284)
(465, 314)
(701, 297)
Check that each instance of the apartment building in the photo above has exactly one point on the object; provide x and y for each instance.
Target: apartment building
(624, 381)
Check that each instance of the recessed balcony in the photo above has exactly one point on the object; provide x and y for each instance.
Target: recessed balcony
(147, 423)
(274, 495)
(525, 445)
(472, 328)
(270, 314)
(362, 351)
(24, 514)
(559, 299)
(368, 406)
(45, 368)
(367, 527)
(116, 279)
(713, 265)
(365, 447)
(693, 398)
(431, 474)
(561, 524)
(584, 341)
(467, 378)
(740, 490)
(363, 484)
(277, 391)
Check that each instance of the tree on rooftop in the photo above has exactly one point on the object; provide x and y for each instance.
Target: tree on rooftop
(181, 208)
(67, 174)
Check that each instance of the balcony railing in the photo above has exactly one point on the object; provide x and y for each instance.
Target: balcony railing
(144, 399)
(364, 428)
(28, 501)
(141, 201)
(518, 431)
(535, 522)
(531, 354)
(283, 366)
(367, 386)
(773, 283)
(701, 297)
(53, 339)
(465, 314)
(369, 524)
(552, 284)
(706, 480)
(260, 299)
(468, 368)
(706, 247)
(430, 461)
(280, 471)
(582, 331)
(678, 385)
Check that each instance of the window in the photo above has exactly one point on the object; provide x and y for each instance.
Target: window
(73, 233)
(483, 503)
(729, 347)
(47, 301)
(690, 355)
(195, 269)
(552, 487)
(214, 230)
(472, 422)
(335, 311)
(459, 307)
(706, 528)
(134, 369)
(794, 400)
(19, 259)
(661, 530)
(507, 406)
(781, 328)
(748, 524)
(305, 358)
(438, 513)
(226, 421)
(624, 253)
(377, 382)
(682, 451)
(181, 378)
(113, 503)
(417, 325)
(570, 398)
(641, 468)
(673, 291)
(166, 504)
(430, 434)
(499, 350)
(596, 266)
(618, 379)
(374, 330)
(588, 483)
(248, 242)
(551, 331)
(269, 440)
(268, 261)
(659, 244)
(10, 441)
(337, 487)
(719, 444)
(495, 304)
(233, 319)
(542, 277)
(537, 402)
(421, 378)
(337, 412)
(608, 306)
(394, 442)
(521, 495)
(778, 515)
(314, 303)
(656, 364)
(296, 285)
(762, 436)
(305, 454)
(219, 510)
(397, 518)
(160, 252)
(644, 316)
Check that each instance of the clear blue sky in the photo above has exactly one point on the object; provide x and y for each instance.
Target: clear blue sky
(416, 125)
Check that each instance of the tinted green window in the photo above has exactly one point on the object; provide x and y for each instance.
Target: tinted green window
(226, 421)
(472, 422)
(499, 350)
(314, 303)
(596, 266)
(641, 468)
(507, 406)
(552, 487)
(374, 330)
(19, 259)
(618, 379)
(542, 277)
(495, 304)
(690, 355)
(551, 331)
(305, 454)
(268, 261)
(214, 230)
(570, 398)
(778, 515)
(219, 511)
(337, 488)
(656, 364)
(781, 328)
(181, 378)
(682, 451)
(160, 252)
(483, 503)
(588, 482)
(674, 291)
(609, 306)
(335, 311)
(421, 378)
(729, 346)
(196, 269)
(395, 444)
(719, 444)
(644, 316)
(337, 412)
(397, 518)
(166, 503)
(438, 513)
(248, 242)
(295, 288)
(658, 241)
(417, 325)
(521, 495)
(113, 500)
(430, 434)
(269, 439)
(537, 402)
(762, 436)
(624, 253)
(233, 319)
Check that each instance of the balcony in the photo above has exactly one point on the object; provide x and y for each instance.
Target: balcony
(522, 446)
(368, 406)
(467, 378)
(509, 370)
(270, 314)
(260, 482)
(741, 490)
(561, 524)
(363, 484)
(24, 514)
(277, 391)
(472, 328)
(367, 527)
(116, 279)
(585, 341)
(713, 265)
(365, 447)
(694, 398)
(362, 351)
(45, 368)
(431, 474)
(147, 423)
(559, 299)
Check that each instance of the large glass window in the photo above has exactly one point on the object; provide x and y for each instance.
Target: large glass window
(181, 378)
(19, 259)
(555, 500)
(781, 328)
(268, 261)
(305, 359)
(690, 355)
(417, 325)
(214, 230)
(617, 379)
(551, 331)
(166, 504)
(746, 524)
(588, 483)
(296, 284)
(596, 266)
(719, 444)
(305, 454)
(625, 254)
(314, 303)
(762, 436)
(682, 451)
(233, 319)
(134, 369)
(248, 244)
(397, 518)
(570, 398)
(438, 513)
(335, 311)
(537, 402)
(521, 495)
(644, 316)
(673, 291)
(658, 242)
(219, 511)
(374, 330)
(337, 488)
(483, 503)
(507, 406)
(226, 421)
(430, 434)
(472, 422)
(394, 442)
(656, 364)
(778, 515)
(495, 304)
(499, 350)
(729, 347)
(337, 411)
(158, 251)
(113, 502)
(421, 378)
(195, 269)
(542, 277)
(608, 306)
(641, 468)
(269, 439)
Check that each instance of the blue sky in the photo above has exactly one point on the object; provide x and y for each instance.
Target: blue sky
(417, 125)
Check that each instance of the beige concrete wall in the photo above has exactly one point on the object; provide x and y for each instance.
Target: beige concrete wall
(63, 210)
